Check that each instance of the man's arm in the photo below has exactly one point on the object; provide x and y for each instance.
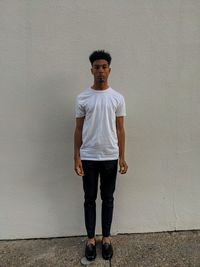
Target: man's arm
(121, 143)
(77, 144)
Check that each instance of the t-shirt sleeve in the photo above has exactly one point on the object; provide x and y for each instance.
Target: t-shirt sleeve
(121, 109)
(79, 108)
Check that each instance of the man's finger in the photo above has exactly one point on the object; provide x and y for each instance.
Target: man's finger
(79, 171)
(123, 169)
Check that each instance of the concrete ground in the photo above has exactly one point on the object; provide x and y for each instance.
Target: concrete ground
(170, 249)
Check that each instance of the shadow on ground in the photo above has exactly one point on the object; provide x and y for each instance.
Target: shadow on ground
(167, 249)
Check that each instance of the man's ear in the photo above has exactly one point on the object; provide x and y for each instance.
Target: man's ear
(91, 70)
(109, 70)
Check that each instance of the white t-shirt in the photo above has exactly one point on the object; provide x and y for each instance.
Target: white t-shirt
(100, 109)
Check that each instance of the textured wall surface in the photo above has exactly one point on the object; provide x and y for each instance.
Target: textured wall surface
(44, 49)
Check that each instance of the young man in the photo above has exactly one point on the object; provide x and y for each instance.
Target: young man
(99, 144)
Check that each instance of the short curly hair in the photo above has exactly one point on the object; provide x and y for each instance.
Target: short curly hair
(100, 54)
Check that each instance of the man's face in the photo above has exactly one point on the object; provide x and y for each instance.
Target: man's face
(101, 70)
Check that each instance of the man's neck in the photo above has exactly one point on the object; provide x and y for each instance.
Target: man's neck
(100, 86)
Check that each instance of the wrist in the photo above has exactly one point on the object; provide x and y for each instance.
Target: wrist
(77, 157)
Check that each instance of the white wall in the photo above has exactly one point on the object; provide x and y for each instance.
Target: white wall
(44, 49)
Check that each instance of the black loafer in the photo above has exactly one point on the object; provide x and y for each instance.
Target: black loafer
(107, 251)
(90, 252)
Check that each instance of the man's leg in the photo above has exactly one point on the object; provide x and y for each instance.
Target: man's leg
(90, 186)
(108, 173)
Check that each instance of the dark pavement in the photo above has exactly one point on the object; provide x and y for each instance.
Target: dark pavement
(172, 249)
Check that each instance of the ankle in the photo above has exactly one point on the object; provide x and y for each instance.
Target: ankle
(106, 239)
(91, 241)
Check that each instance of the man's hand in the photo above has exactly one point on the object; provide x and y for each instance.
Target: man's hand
(78, 167)
(123, 167)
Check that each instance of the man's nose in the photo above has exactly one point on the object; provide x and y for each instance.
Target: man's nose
(100, 69)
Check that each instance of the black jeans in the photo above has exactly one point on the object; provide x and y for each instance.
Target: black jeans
(108, 172)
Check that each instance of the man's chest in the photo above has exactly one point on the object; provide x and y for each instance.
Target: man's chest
(101, 104)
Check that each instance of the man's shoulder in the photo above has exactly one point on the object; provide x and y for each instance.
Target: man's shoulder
(84, 93)
(116, 93)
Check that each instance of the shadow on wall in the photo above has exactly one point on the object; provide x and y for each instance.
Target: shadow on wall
(53, 101)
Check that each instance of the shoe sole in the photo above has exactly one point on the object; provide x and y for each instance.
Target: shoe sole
(91, 259)
(107, 258)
